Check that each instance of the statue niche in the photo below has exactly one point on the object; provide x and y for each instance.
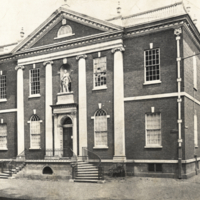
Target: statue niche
(65, 78)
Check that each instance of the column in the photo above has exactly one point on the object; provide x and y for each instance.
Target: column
(48, 110)
(20, 109)
(82, 102)
(119, 132)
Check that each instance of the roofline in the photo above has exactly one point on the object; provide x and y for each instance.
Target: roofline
(53, 15)
(145, 12)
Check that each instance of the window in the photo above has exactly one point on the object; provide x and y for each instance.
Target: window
(2, 86)
(100, 128)
(35, 132)
(155, 167)
(152, 65)
(99, 72)
(194, 72)
(34, 82)
(195, 130)
(153, 130)
(3, 136)
(64, 31)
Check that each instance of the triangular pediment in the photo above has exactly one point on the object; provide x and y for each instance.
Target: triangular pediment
(48, 33)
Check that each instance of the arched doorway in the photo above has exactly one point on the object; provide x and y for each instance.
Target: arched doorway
(67, 138)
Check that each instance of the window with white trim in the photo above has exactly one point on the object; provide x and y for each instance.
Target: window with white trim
(34, 81)
(195, 130)
(194, 72)
(2, 86)
(100, 129)
(65, 30)
(153, 130)
(35, 132)
(3, 136)
(99, 69)
(152, 65)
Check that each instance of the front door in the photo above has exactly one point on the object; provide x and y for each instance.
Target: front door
(67, 142)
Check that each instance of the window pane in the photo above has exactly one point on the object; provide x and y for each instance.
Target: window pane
(35, 81)
(152, 64)
(2, 87)
(3, 136)
(99, 71)
(153, 129)
(101, 138)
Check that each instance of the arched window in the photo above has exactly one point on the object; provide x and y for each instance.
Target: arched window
(65, 30)
(100, 129)
(35, 132)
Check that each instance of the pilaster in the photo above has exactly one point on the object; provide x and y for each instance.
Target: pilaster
(48, 110)
(82, 102)
(20, 109)
(119, 132)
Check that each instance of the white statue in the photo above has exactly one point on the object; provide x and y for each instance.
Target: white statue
(65, 81)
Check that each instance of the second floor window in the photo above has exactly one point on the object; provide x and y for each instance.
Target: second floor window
(99, 72)
(2, 87)
(152, 65)
(34, 81)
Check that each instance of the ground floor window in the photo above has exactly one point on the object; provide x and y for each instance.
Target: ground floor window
(153, 129)
(35, 132)
(3, 136)
(100, 129)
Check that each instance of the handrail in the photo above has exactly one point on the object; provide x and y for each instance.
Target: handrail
(86, 154)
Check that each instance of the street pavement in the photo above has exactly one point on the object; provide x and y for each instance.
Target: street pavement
(115, 188)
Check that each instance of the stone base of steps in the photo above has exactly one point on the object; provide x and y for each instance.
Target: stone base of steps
(86, 181)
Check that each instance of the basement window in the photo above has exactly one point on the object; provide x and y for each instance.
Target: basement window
(155, 167)
(47, 170)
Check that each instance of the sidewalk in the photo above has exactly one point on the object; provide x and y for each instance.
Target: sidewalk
(117, 188)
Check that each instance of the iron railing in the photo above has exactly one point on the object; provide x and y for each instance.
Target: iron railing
(88, 155)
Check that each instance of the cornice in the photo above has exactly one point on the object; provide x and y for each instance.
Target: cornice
(57, 17)
(153, 28)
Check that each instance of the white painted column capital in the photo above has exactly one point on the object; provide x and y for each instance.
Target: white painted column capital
(20, 109)
(121, 49)
(19, 67)
(46, 63)
(81, 56)
(82, 90)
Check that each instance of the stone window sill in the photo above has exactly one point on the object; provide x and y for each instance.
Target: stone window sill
(102, 147)
(3, 149)
(100, 88)
(34, 96)
(153, 147)
(152, 82)
(34, 148)
(3, 100)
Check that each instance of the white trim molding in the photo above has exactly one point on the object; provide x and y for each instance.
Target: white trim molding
(8, 110)
(72, 52)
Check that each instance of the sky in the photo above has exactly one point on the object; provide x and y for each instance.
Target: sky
(29, 14)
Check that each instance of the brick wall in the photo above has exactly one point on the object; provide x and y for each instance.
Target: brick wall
(135, 129)
(79, 30)
(134, 64)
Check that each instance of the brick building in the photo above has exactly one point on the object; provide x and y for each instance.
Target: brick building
(125, 89)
